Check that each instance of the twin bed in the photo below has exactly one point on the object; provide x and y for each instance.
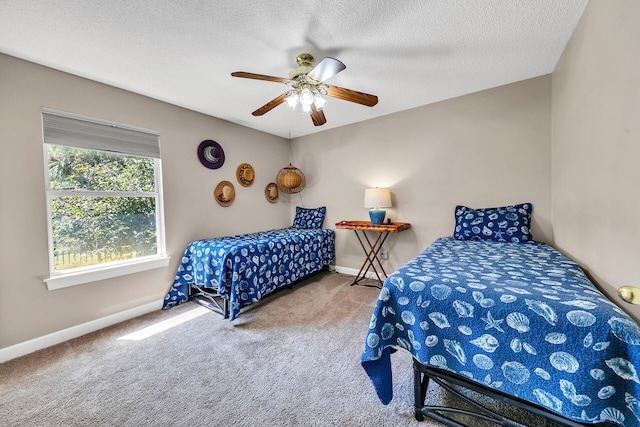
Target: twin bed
(229, 273)
(488, 309)
(496, 312)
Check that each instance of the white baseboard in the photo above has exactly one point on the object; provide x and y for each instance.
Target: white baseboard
(58, 337)
(354, 272)
(54, 338)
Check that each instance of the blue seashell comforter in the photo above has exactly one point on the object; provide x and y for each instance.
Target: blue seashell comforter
(520, 318)
(246, 267)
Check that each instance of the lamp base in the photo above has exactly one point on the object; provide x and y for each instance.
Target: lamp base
(377, 216)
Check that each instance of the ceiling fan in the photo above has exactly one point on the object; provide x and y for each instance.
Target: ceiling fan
(308, 87)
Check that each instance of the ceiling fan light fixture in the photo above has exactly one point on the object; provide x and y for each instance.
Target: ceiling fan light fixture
(319, 101)
(306, 98)
(292, 100)
(305, 109)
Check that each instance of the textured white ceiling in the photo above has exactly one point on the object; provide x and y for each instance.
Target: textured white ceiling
(407, 52)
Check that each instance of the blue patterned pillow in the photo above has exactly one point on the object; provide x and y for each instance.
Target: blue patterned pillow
(503, 224)
(309, 218)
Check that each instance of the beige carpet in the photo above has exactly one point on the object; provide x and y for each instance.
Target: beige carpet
(291, 360)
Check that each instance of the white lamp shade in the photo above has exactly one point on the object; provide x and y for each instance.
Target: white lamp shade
(292, 100)
(319, 102)
(377, 198)
(306, 97)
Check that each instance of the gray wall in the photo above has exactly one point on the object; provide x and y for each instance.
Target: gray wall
(27, 309)
(485, 149)
(596, 145)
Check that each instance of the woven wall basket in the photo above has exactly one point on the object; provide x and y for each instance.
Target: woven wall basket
(290, 180)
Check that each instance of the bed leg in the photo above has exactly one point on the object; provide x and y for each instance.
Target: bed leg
(420, 384)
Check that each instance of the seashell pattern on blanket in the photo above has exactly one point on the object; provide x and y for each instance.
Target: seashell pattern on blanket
(245, 268)
(517, 317)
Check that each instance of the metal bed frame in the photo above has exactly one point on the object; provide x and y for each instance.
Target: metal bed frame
(422, 374)
(209, 298)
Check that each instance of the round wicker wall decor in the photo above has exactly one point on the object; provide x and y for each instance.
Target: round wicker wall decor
(225, 193)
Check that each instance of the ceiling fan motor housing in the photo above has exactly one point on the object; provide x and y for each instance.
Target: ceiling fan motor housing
(305, 65)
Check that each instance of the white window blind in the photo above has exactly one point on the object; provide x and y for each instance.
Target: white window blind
(60, 128)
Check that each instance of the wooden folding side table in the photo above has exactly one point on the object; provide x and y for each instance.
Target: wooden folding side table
(371, 250)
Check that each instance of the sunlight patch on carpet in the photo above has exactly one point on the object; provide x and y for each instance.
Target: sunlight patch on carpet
(165, 324)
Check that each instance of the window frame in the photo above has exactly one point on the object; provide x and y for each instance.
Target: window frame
(96, 272)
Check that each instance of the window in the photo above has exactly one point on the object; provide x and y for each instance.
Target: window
(104, 199)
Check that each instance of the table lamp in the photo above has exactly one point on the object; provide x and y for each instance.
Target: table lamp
(376, 198)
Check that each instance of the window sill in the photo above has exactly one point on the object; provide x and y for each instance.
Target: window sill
(89, 274)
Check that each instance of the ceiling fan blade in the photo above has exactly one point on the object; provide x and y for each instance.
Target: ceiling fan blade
(326, 69)
(352, 96)
(259, 77)
(270, 105)
(317, 116)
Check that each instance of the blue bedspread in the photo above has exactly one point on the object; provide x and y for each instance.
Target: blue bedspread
(247, 267)
(520, 318)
